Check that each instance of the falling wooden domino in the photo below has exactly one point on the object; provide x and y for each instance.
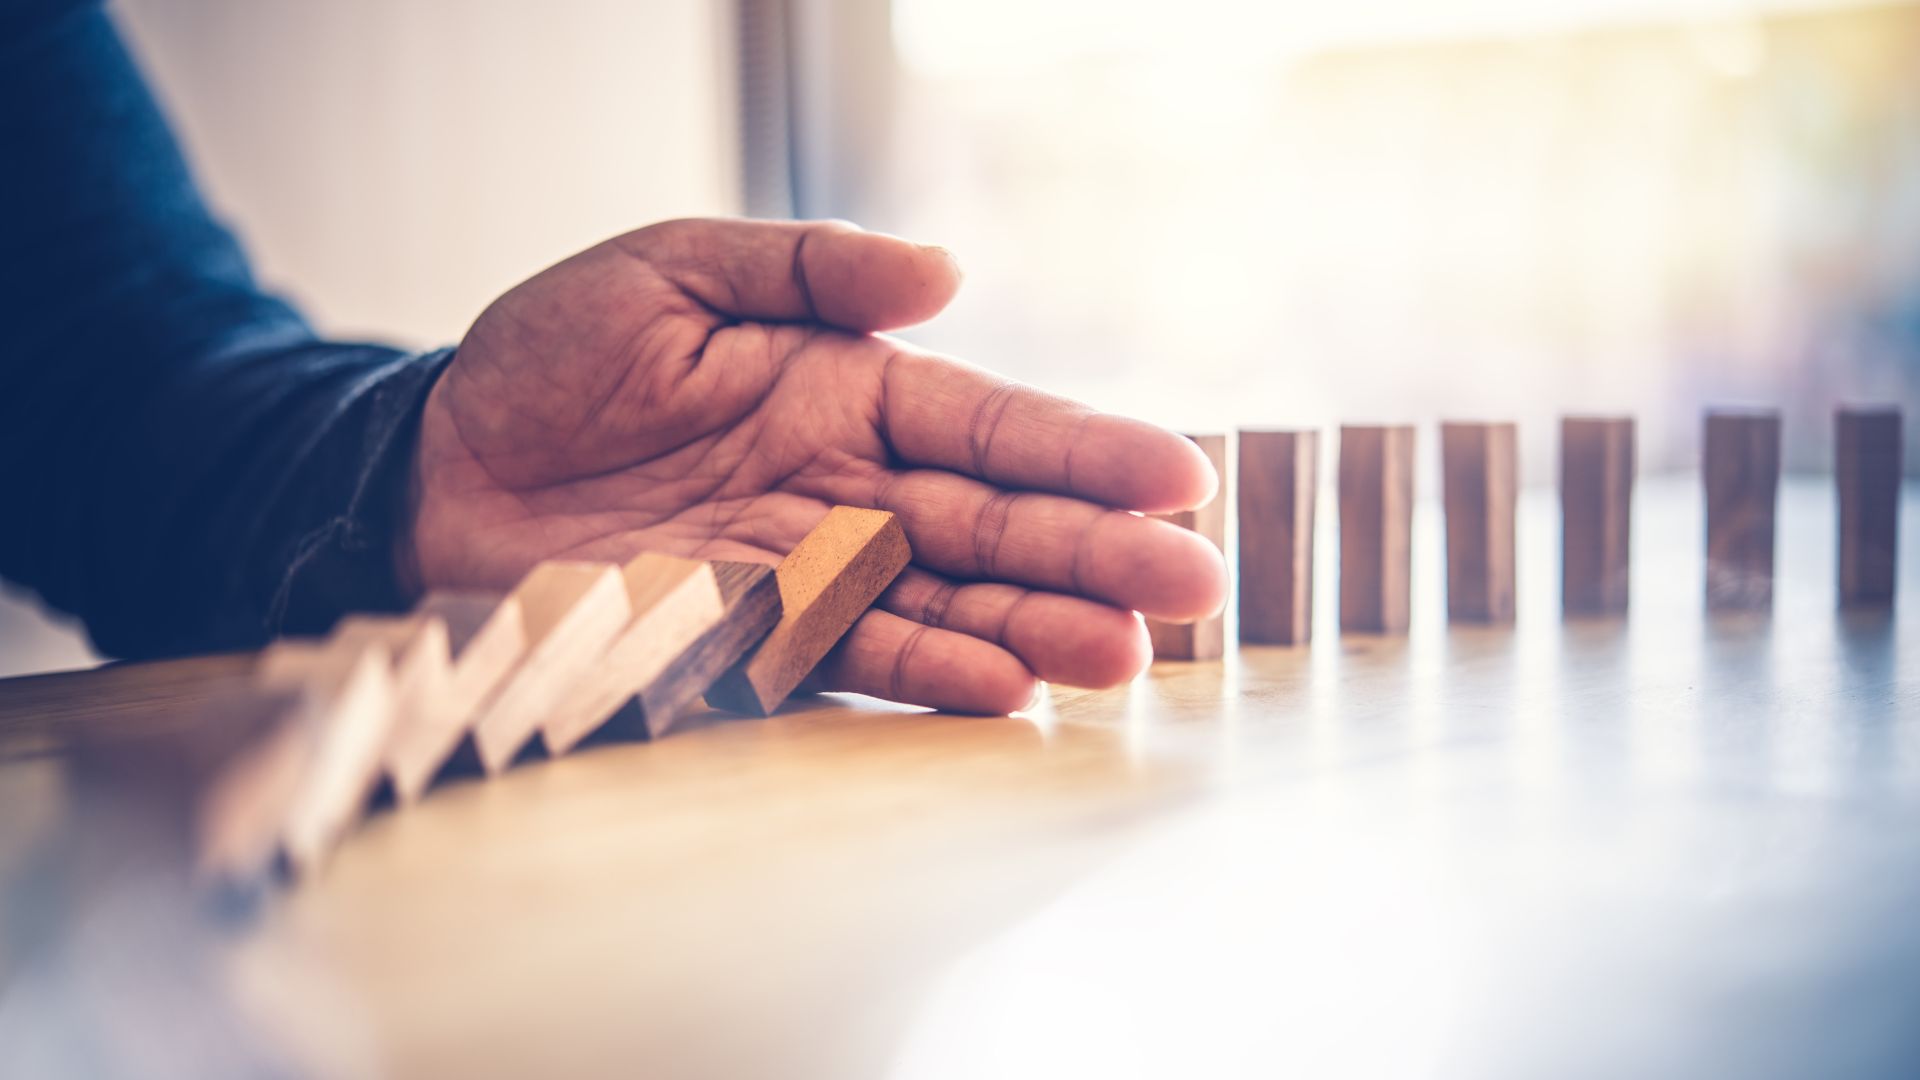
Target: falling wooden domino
(1596, 514)
(1480, 486)
(570, 612)
(1741, 472)
(1202, 639)
(751, 593)
(486, 637)
(417, 647)
(351, 708)
(266, 738)
(826, 583)
(675, 602)
(1867, 457)
(1376, 528)
(1277, 478)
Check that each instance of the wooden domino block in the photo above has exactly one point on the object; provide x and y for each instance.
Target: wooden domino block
(751, 593)
(1202, 639)
(1741, 471)
(486, 638)
(417, 647)
(1480, 487)
(1867, 458)
(1596, 514)
(1278, 482)
(266, 741)
(1376, 528)
(571, 612)
(826, 583)
(675, 602)
(350, 709)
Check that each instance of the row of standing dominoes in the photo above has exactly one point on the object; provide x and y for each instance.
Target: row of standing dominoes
(555, 658)
(1278, 476)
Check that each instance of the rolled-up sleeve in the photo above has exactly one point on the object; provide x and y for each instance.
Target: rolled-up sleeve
(183, 464)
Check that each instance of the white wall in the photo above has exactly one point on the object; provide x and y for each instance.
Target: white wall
(395, 164)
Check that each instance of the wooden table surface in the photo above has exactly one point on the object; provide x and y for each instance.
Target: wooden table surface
(1672, 845)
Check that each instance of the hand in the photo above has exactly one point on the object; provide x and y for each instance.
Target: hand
(711, 388)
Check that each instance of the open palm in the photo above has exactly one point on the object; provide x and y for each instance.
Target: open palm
(711, 388)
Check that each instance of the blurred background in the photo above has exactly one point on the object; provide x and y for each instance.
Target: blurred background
(1211, 213)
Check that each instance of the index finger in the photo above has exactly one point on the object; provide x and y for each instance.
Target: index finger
(940, 412)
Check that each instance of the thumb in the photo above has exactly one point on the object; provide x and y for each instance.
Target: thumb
(790, 271)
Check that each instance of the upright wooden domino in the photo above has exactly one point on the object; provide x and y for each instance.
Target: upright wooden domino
(1480, 486)
(675, 602)
(486, 639)
(1596, 514)
(1202, 639)
(1376, 527)
(571, 611)
(1277, 479)
(1741, 473)
(1867, 458)
(826, 583)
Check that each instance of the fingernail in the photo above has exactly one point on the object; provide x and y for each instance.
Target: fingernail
(1038, 698)
(935, 249)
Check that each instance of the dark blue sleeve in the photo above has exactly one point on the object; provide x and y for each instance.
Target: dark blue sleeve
(183, 464)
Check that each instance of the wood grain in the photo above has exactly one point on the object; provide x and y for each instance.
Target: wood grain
(1277, 477)
(751, 593)
(1480, 489)
(675, 602)
(826, 583)
(1376, 528)
(866, 888)
(130, 700)
(1596, 514)
(1740, 468)
(1202, 639)
(570, 610)
(1867, 457)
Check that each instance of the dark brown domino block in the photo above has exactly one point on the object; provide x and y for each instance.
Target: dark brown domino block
(1741, 472)
(826, 582)
(1376, 528)
(1480, 484)
(1203, 639)
(751, 593)
(1278, 481)
(1596, 514)
(1867, 457)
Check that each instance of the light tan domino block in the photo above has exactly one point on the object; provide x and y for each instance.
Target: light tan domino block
(571, 612)
(486, 637)
(674, 602)
(826, 583)
(351, 706)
